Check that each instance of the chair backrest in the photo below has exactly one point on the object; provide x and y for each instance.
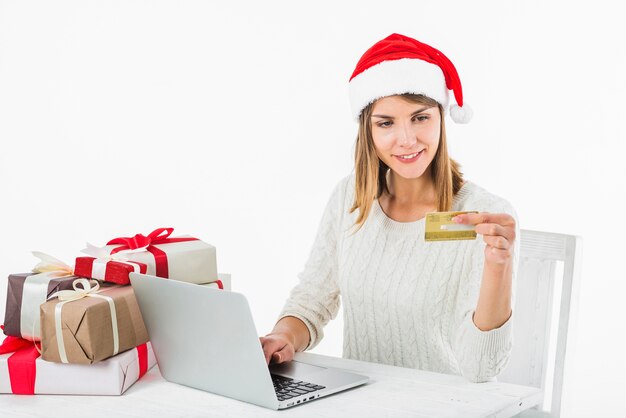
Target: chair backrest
(533, 311)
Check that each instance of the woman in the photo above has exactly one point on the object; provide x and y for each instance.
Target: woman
(443, 306)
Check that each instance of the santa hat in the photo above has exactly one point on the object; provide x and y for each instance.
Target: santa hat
(399, 64)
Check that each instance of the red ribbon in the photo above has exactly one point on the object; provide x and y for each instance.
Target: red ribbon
(158, 236)
(21, 365)
(22, 368)
(142, 353)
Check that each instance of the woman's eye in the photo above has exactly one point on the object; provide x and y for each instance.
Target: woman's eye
(422, 118)
(384, 124)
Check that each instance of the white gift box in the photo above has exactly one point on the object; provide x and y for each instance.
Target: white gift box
(108, 377)
(188, 261)
(223, 282)
(225, 279)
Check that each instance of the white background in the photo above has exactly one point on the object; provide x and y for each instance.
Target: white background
(230, 121)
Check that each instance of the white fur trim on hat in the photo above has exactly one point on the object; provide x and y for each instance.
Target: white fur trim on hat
(400, 76)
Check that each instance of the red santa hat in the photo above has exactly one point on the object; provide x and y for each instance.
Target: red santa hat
(399, 64)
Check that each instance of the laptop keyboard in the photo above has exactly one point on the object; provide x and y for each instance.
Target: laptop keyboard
(287, 388)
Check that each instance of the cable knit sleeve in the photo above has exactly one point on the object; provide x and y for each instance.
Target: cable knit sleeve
(481, 355)
(315, 299)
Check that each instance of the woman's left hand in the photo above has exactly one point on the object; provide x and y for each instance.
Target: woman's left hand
(498, 231)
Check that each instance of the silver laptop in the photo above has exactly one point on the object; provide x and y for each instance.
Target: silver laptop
(205, 338)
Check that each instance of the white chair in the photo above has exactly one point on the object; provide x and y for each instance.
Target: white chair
(534, 318)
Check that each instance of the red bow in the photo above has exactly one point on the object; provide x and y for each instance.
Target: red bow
(21, 364)
(158, 236)
(141, 241)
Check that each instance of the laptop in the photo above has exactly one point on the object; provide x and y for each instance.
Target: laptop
(205, 338)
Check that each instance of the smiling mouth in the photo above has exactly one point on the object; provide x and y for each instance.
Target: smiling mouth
(409, 156)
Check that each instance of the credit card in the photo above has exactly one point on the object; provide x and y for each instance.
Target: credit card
(439, 227)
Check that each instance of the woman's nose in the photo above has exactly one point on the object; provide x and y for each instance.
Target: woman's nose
(406, 136)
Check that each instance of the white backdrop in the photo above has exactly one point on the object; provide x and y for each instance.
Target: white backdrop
(230, 121)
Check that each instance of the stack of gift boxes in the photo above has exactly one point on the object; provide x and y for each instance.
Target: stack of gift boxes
(79, 330)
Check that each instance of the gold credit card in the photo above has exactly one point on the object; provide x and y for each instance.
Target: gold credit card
(439, 227)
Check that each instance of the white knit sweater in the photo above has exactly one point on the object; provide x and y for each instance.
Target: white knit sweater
(406, 302)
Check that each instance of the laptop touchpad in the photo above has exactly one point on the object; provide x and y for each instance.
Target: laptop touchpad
(295, 369)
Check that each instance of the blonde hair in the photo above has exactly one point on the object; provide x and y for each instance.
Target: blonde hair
(370, 171)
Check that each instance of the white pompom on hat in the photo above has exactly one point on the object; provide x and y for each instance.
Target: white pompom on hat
(399, 64)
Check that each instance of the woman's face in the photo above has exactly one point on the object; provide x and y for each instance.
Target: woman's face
(406, 135)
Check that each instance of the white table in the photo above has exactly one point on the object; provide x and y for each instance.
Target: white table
(391, 392)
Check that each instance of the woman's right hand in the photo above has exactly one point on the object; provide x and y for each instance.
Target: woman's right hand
(289, 335)
(278, 347)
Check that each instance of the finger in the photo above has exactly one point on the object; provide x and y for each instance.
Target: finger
(498, 255)
(283, 355)
(495, 230)
(503, 219)
(497, 242)
(269, 352)
(270, 346)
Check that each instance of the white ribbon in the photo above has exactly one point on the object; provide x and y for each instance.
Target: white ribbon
(102, 257)
(55, 267)
(35, 292)
(71, 295)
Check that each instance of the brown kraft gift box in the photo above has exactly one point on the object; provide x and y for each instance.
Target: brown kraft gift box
(87, 328)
